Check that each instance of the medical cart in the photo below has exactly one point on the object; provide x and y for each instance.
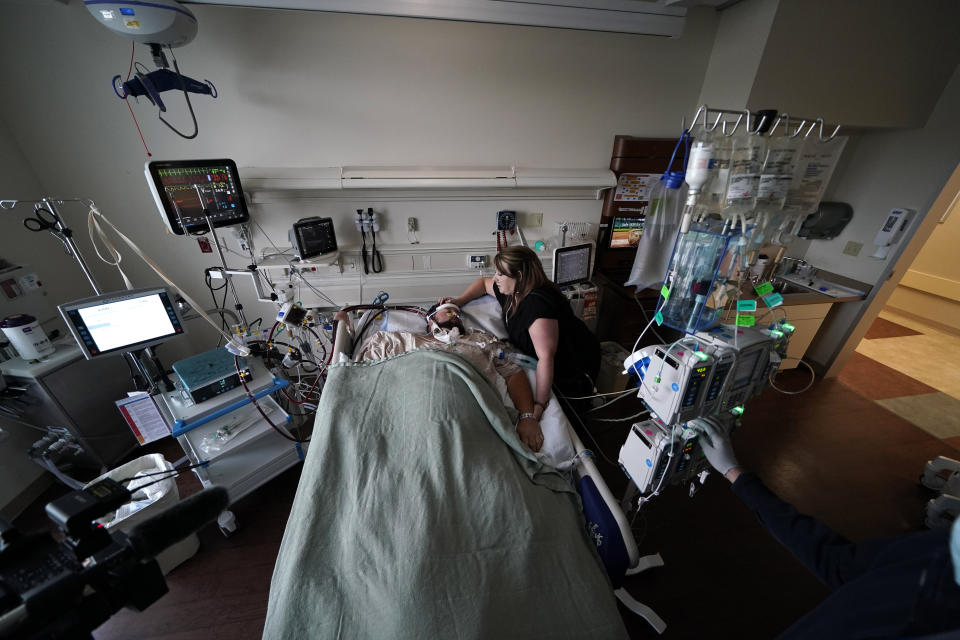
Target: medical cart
(242, 449)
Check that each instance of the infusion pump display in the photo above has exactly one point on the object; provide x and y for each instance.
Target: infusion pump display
(184, 188)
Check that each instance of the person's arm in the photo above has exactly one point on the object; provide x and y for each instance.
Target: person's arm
(477, 289)
(545, 335)
(825, 553)
(518, 387)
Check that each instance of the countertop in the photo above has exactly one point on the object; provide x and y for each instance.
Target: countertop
(789, 299)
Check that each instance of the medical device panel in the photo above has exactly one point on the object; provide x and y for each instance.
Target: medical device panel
(209, 374)
(656, 455)
(122, 321)
(751, 349)
(571, 264)
(311, 237)
(672, 380)
(185, 190)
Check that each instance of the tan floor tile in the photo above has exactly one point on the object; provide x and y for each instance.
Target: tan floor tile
(936, 413)
(915, 324)
(929, 358)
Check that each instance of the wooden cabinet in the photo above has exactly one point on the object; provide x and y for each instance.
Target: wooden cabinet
(807, 319)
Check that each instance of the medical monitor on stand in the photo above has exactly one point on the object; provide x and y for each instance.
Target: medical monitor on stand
(122, 321)
(571, 265)
(175, 185)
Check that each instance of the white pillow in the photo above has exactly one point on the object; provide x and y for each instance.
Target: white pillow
(397, 320)
(484, 314)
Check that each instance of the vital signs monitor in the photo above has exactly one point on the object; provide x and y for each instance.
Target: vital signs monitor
(571, 264)
(184, 188)
(122, 321)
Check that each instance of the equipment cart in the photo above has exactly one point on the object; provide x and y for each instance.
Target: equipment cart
(243, 450)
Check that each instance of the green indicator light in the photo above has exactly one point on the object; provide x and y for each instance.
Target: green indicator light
(787, 326)
(776, 334)
(737, 411)
(657, 379)
(701, 355)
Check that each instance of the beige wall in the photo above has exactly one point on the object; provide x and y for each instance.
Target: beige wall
(930, 289)
(313, 89)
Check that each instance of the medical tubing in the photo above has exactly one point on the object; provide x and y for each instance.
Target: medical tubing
(202, 463)
(236, 363)
(376, 260)
(813, 378)
(94, 225)
(94, 211)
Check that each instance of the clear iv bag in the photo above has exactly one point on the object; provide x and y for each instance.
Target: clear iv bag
(660, 228)
(743, 182)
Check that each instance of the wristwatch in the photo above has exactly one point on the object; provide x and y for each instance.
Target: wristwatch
(524, 416)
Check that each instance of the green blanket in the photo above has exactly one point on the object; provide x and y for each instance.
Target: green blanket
(419, 514)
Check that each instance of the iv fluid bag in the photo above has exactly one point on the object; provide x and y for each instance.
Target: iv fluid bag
(744, 177)
(659, 234)
(776, 177)
(815, 166)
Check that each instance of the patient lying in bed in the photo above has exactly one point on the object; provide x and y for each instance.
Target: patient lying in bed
(484, 351)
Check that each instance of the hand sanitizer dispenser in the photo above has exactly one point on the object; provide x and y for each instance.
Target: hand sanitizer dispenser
(892, 230)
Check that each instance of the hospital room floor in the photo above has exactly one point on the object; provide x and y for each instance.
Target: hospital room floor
(837, 452)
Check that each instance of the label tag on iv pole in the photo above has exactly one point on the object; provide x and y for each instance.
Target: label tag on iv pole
(658, 318)
(763, 289)
(773, 300)
(746, 305)
(665, 292)
(746, 321)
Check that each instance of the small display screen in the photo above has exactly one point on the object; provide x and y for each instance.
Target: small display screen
(571, 264)
(314, 237)
(120, 322)
(625, 232)
(745, 369)
(184, 188)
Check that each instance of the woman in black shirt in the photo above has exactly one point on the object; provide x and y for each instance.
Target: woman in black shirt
(541, 324)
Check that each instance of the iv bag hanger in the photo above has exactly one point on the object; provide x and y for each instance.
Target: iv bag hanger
(705, 113)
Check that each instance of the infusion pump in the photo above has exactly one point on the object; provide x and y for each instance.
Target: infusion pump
(711, 373)
(708, 373)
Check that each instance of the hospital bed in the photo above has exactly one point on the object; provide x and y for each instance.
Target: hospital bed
(421, 514)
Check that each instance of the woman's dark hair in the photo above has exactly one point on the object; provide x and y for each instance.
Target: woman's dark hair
(522, 263)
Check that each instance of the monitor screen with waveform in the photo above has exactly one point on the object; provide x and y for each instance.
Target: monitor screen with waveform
(187, 191)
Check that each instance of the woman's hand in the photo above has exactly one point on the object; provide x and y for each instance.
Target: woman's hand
(530, 434)
(448, 300)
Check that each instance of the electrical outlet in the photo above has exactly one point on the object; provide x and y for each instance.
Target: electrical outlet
(411, 224)
(531, 220)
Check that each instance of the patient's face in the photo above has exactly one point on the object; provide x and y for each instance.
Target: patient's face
(447, 319)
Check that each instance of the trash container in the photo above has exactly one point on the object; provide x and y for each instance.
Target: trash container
(159, 497)
(611, 377)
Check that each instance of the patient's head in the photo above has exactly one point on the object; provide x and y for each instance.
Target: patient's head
(444, 316)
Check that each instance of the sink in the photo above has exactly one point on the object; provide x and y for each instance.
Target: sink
(786, 288)
(792, 284)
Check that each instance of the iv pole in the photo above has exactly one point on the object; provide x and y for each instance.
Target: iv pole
(65, 235)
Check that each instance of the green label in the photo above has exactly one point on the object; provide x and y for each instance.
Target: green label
(763, 289)
(746, 305)
(746, 321)
(665, 292)
(773, 300)
(658, 318)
